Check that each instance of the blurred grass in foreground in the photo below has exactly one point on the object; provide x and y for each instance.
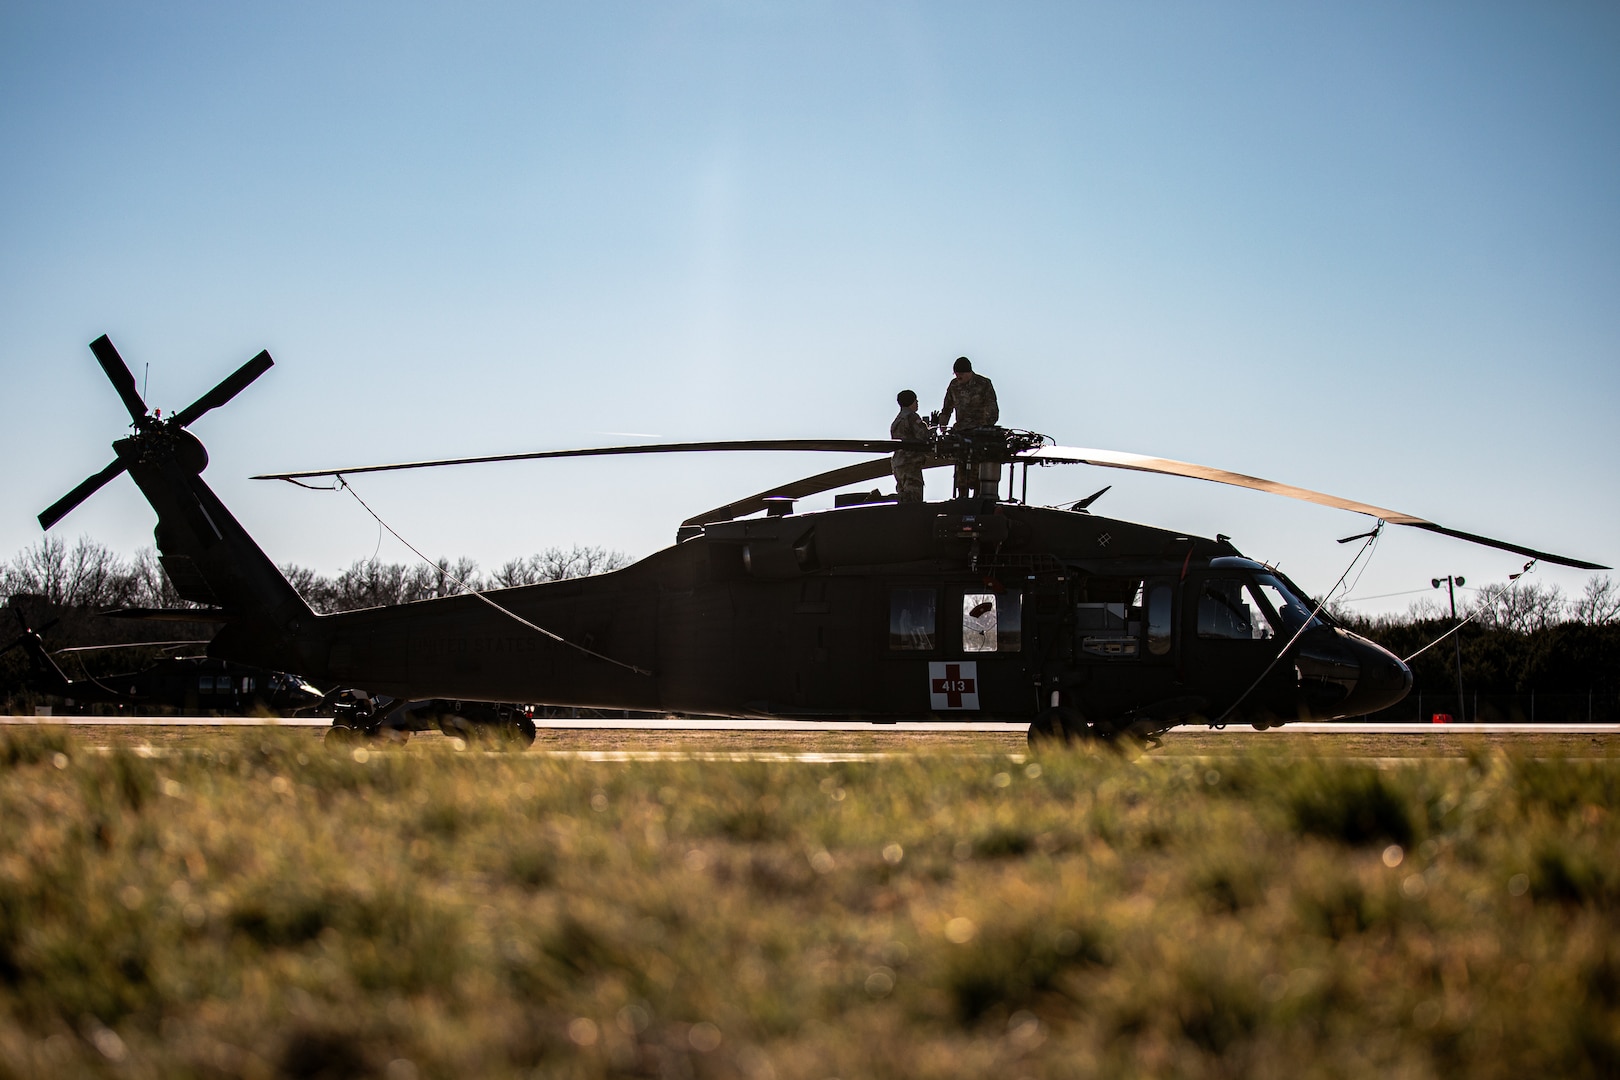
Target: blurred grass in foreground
(257, 906)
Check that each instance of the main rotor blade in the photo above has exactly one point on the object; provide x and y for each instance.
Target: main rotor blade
(1115, 459)
(60, 508)
(1544, 556)
(129, 645)
(844, 446)
(228, 388)
(801, 489)
(119, 375)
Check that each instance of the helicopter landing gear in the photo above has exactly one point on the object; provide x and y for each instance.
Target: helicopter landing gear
(1064, 726)
(1059, 725)
(512, 730)
(341, 736)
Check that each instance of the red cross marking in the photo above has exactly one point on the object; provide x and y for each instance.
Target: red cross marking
(953, 685)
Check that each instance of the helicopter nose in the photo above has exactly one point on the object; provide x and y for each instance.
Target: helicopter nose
(1384, 679)
(1342, 674)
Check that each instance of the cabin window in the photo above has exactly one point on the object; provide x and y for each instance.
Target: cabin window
(1227, 608)
(1158, 619)
(913, 619)
(1108, 617)
(205, 684)
(1108, 605)
(991, 622)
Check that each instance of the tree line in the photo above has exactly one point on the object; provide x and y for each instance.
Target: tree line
(1528, 652)
(64, 586)
(90, 575)
(1522, 607)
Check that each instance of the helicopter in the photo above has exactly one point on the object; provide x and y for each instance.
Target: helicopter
(1082, 627)
(185, 683)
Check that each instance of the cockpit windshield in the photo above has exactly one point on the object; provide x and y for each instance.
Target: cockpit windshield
(1295, 613)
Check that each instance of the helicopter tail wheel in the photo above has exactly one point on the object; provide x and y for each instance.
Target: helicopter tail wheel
(520, 732)
(507, 733)
(517, 733)
(457, 727)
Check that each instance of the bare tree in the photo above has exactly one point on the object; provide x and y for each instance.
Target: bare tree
(1522, 607)
(443, 578)
(558, 564)
(90, 575)
(1426, 609)
(40, 570)
(86, 575)
(1599, 602)
(368, 583)
(513, 572)
(304, 581)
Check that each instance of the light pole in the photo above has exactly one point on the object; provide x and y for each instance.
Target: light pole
(1453, 583)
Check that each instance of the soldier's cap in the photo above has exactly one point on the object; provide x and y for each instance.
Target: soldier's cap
(905, 397)
(962, 364)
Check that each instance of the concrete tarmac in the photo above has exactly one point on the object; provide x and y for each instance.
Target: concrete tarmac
(673, 723)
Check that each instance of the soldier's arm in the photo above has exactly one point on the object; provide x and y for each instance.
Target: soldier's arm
(949, 407)
(992, 410)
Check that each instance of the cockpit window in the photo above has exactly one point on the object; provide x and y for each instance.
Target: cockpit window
(1227, 609)
(1295, 613)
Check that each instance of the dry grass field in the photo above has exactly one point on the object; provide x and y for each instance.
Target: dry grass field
(251, 904)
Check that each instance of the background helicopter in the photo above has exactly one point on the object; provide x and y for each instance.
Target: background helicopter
(1079, 625)
(189, 684)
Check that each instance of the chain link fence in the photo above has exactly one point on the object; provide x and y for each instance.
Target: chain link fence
(1531, 707)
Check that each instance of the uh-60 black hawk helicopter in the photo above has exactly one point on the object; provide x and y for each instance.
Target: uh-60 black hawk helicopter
(1081, 626)
(181, 682)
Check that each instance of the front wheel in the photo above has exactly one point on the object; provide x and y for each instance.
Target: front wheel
(341, 737)
(1057, 726)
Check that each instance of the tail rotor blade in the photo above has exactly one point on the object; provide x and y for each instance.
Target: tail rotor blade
(232, 385)
(60, 509)
(119, 375)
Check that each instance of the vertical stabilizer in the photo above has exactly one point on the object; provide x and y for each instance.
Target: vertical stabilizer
(208, 557)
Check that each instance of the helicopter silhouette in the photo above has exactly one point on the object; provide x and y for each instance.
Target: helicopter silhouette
(190, 684)
(1080, 626)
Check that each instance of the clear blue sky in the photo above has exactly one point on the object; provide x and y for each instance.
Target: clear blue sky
(1372, 249)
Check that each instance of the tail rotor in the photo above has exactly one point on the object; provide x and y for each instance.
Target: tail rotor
(28, 634)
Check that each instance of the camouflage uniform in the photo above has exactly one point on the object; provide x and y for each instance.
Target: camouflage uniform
(973, 400)
(908, 464)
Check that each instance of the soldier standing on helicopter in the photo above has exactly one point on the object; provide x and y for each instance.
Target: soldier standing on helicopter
(972, 398)
(908, 464)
